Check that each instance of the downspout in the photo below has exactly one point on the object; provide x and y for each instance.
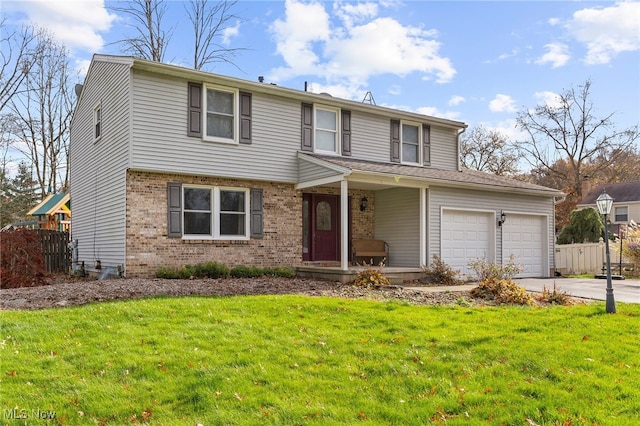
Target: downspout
(464, 129)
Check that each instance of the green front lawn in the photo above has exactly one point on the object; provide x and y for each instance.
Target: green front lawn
(302, 360)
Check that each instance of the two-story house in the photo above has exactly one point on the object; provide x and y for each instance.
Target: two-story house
(626, 200)
(172, 166)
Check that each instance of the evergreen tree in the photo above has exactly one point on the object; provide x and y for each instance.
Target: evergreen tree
(585, 226)
(18, 195)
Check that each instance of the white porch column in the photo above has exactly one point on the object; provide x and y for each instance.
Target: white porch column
(344, 225)
(423, 227)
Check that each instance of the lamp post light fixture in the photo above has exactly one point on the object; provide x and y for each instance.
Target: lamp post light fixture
(604, 203)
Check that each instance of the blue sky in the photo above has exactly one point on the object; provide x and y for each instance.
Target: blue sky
(473, 61)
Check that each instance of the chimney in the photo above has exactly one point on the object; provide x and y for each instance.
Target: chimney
(586, 185)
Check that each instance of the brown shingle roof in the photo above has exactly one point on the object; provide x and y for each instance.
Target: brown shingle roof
(620, 192)
(465, 177)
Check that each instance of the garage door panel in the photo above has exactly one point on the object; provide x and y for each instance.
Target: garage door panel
(522, 237)
(465, 237)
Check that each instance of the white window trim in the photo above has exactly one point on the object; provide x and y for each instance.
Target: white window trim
(97, 109)
(236, 113)
(615, 213)
(420, 143)
(338, 147)
(215, 214)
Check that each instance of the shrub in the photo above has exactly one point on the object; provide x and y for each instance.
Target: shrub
(441, 273)
(631, 249)
(280, 271)
(211, 270)
(492, 271)
(371, 277)
(218, 270)
(554, 297)
(246, 272)
(502, 291)
(21, 259)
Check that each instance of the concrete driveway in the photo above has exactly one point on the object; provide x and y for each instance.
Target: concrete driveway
(627, 291)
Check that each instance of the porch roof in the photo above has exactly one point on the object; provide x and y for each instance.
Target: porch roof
(397, 175)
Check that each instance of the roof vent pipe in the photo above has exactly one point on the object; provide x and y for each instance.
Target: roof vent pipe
(305, 86)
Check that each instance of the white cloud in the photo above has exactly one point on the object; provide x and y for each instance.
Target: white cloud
(553, 21)
(351, 13)
(557, 55)
(502, 103)
(456, 100)
(508, 128)
(230, 32)
(351, 50)
(304, 24)
(608, 31)
(74, 23)
(550, 99)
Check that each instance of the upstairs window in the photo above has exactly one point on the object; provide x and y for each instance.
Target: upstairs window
(219, 114)
(97, 122)
(621, 214)
(326, 130)
(220, 121)
(410, 143)
(410, 137)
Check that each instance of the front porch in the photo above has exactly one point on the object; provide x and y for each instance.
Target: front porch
(332, 271)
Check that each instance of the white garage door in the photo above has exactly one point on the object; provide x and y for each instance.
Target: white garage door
(524, 237)
(465, 237)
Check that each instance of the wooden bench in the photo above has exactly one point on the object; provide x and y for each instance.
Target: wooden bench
(369, 250)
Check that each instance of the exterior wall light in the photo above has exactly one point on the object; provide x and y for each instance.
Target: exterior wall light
(363, 204)
(503, 218)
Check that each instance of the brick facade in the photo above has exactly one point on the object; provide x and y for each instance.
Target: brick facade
(149, 248)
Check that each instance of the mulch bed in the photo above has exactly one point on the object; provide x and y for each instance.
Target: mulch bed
(68, 291)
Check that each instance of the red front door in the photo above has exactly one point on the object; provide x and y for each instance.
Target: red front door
(324, 227)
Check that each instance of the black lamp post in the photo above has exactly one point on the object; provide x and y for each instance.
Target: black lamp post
(604, 203)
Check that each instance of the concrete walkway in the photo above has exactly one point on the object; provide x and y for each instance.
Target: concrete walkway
(627, 291)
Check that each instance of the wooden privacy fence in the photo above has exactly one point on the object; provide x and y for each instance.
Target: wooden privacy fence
(585, 258)
(55, 248)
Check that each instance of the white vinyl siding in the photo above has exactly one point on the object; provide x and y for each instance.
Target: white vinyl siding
(97, 172)
(444, 154)
(397, 221)
(160, 108)
(308, 171)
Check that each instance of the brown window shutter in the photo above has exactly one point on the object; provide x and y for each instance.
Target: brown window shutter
(174, 210)
(426, 145)
(195, 110)
(307, 127)
(257, 227)
(395, 141)
(245, 118)
(346, 133)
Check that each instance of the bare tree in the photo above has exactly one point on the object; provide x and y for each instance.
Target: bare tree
(150, 39)
(42, 114)
(210, 22)
(570, 131)
(17, 56)
(488, 151)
